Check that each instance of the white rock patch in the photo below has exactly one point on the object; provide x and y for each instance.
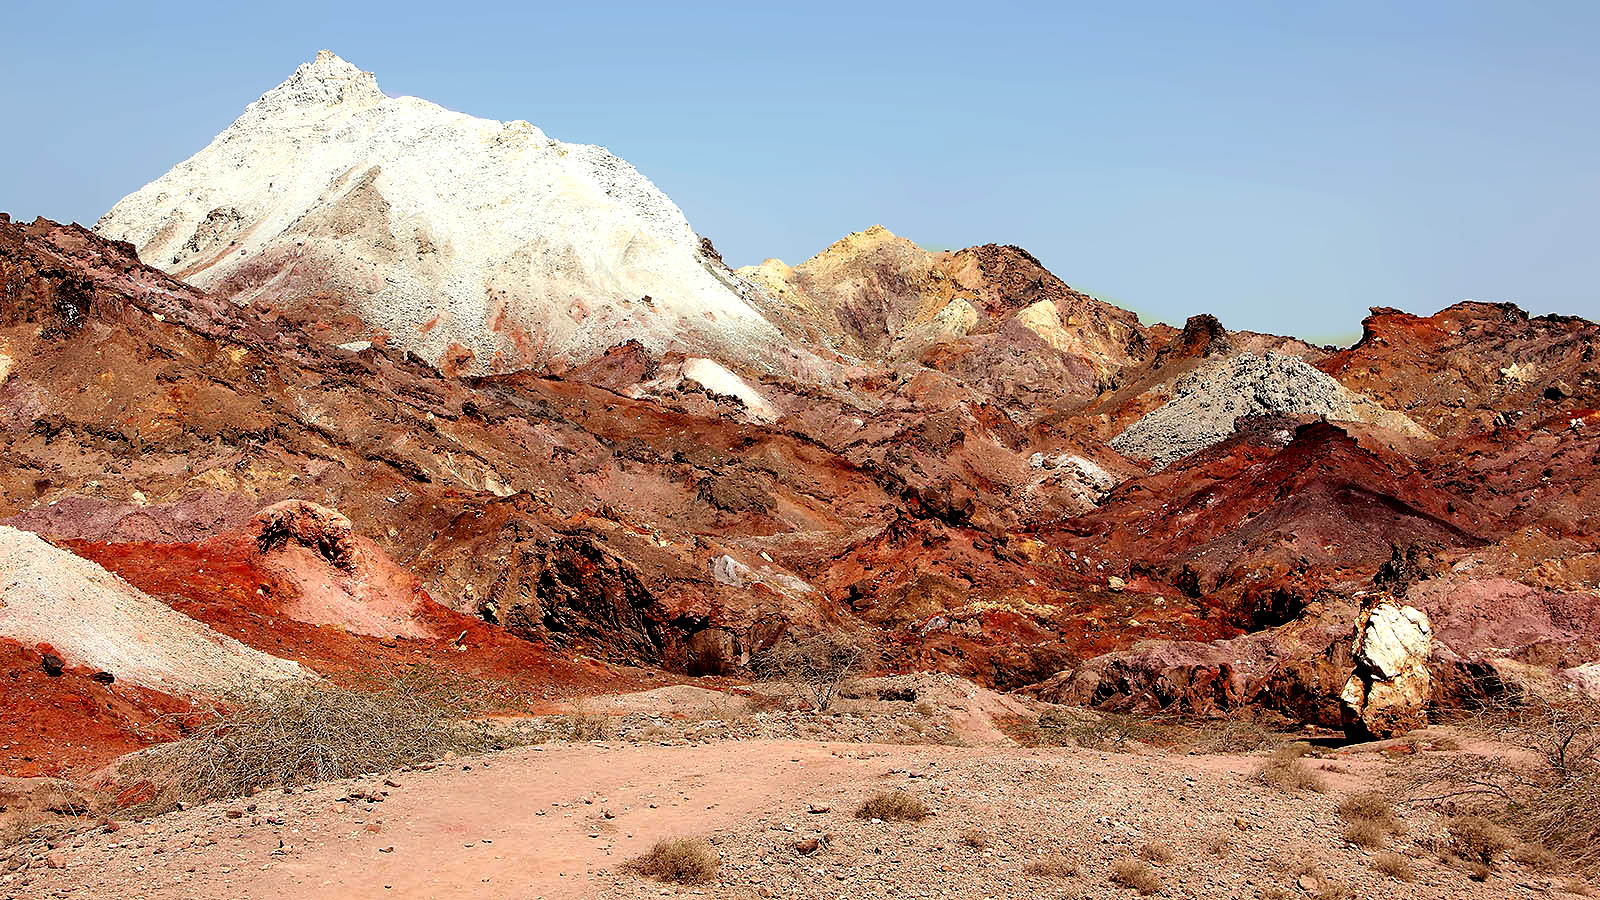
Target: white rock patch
(95, 619)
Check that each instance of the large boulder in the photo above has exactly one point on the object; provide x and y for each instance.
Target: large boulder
(1389, 690)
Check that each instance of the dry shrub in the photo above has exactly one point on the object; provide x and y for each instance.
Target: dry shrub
(1054, 867)
(1105, 731)
(1131, 873)
(1394, 865)
(42, 813)
(821, 664)
(1369, 819)
(1219, 844)
(1160, 854)
(1580, 888)
(1366, 834)
(1563, 815)
(678, 861)
(1369, 806)
(1274, 892)
(1476, 839)
(1286, 770)
(894, 806)
(975, 838)
(1557, 806)
(1238, 735)
(301, 731)
(1535, 856)
(581, 725)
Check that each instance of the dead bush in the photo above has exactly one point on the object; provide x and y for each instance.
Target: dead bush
(821, 665)
(894, 806)
(1160, 854)
(1103, 731)
(678, 861)
(295, 732)
(1366, 834)
(581, 725)
(1059, 866)
(1131, 873)
(1239, 735)
(1556, 805)
(975, 838)
(1563, 815)
(1477, 839)
(1536, 857)
(1287, 771)
(1394, 865)
(1219, 844)
(1369, 806)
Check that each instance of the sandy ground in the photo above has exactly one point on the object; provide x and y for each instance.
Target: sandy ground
(557, 820)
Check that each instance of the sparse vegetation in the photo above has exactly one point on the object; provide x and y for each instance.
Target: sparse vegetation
(975, 838)
(1160, 854)
(894, 806)
(1557, 805)
(582, 725)
(1394, 865)
(1286, 770)
(678, 861)
(1477, 839)
(1240, 734)
(1132, 873)
(820, 665)
(1365, 834)
(1369, 806)
(1059, 866)
(1102, 731)
(296, 732)
(1369, 819)
(1535, 856)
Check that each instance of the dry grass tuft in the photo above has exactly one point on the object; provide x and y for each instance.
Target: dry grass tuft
(1476, 839)
(1368, 807)
(1131, 873)
(894, 806)
(1537, 857)
(678, 861)
(1160, 854)
(1053, 867)
(296, 732)
(975, 838)
(1366, 834)
(1219, 844)
(1394, 865)
(1286, 771)
(581, 725)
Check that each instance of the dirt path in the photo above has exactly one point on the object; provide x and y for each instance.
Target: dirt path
(521, 824)
(533, 823)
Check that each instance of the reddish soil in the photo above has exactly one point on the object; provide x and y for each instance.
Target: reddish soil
(222, 583)
(70, 723)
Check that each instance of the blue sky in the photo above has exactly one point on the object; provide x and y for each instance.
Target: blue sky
(1281, 165)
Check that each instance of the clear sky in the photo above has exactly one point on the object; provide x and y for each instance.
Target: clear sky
(1282, 165)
